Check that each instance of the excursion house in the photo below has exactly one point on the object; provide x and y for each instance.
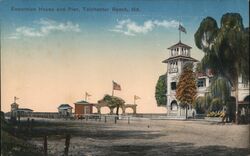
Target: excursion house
(180, 54)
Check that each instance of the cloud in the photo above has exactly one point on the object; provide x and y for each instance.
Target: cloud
(131, 28)
(44, 27)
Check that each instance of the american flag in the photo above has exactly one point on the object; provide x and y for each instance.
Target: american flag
(116, 86)
(15, 98)
(181, 28)
(87, 94)
(136, 97)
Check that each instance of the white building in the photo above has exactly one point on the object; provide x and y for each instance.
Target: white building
(180, 54)
(16, 111)
(65, 110)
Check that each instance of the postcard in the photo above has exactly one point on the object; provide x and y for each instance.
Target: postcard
(124, 77)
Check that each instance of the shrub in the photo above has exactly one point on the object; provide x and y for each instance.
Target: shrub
(215, 114)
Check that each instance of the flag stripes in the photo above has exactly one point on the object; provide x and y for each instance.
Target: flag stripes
(136, 97)
(116, 86)
(87, 94)
(181, 28)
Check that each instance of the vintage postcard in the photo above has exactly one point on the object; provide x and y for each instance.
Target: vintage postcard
(124, 77)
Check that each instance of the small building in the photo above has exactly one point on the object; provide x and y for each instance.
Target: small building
(83, 108)
(16, 111)
(65, 110)
(23, 111)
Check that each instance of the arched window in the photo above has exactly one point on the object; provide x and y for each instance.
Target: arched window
(174, 105)
(247, 98)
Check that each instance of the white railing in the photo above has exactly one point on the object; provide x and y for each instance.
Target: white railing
(173, 70)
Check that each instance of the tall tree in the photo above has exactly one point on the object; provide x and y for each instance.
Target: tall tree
(226, 49)
(186, 90)
(220, 88)
(161, 90)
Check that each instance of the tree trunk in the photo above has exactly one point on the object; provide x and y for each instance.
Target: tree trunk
(236, 102)
(186, 113)
(117, 110)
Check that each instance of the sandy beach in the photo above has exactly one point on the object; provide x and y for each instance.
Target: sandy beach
(144, 137)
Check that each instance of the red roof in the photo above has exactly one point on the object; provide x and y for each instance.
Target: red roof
(200, 74)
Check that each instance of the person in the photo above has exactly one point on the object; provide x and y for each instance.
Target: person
(224, 114)
(243, 113)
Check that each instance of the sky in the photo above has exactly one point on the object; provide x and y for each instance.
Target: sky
(53, 51)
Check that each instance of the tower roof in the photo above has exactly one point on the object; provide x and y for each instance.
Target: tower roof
(14, 104)
(64, 106)
(180, 44)
(188, 58)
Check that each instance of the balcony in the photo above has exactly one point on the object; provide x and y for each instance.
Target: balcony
(173, 70)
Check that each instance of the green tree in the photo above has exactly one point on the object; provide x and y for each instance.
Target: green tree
(226, 48)
(220, 88)
(186, 89)
(216, 105)
(199, 105)
(161, 90)
(114, 102)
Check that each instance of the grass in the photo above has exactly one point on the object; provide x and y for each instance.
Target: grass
(13, 146)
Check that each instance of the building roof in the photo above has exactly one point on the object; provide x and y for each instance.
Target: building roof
(24, 109)
(82, 102)
(179, 44)
(202, 74)
(14, 103)
(180, 57)
(64, 106)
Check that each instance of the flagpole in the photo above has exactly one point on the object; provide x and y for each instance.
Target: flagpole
(15, 98)
(179, 35)
(85, 96)
(134, 99)
(179, 32)
(112, 88)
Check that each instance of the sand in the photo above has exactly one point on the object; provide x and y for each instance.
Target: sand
(148, 137)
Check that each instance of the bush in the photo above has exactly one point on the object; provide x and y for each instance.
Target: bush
(216, 105)
(216, 114)
(199, 105)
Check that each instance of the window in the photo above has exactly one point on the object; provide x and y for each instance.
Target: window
(201, 83)
(174, 105)
(173, 85)
(210, 80)
(86, 110)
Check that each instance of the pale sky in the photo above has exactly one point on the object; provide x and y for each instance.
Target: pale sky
(52, 57)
